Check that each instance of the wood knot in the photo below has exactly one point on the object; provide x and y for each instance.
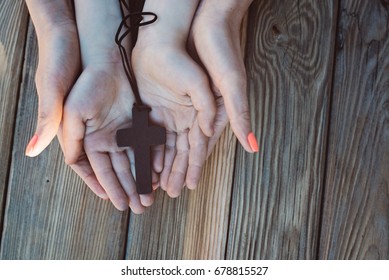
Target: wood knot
(276, 32)
(385, 3)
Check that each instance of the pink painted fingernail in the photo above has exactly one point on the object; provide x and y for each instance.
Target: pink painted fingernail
(253, 142)
(31, 145)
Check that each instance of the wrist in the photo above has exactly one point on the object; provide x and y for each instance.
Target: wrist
(149, 37)
(101, 55)
(97, 24)
(50, 16)
(172, 25)
(226, 8)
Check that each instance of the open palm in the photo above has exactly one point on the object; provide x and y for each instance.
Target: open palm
(99, 104)
(170, 82)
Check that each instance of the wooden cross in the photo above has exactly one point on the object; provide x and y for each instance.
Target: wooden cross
(141, 136)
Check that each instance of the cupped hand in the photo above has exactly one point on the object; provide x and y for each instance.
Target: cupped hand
(99, 104)
(165, 78)
(58, 67)
(178, 91)
(215, 35)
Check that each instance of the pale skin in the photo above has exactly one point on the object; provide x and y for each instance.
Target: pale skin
(95, 108)
(91, 116)
(168, 76)
(215, 34)
(178, 90)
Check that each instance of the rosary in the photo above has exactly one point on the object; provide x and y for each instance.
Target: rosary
(141, 136)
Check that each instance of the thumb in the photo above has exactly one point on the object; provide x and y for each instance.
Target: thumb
(57, 70)
(201, 96)
(233, 89)
(49, 119)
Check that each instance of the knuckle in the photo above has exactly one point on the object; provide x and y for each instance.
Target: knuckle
(47, 119)
(69, 160)
(43, 117)
(241, 118)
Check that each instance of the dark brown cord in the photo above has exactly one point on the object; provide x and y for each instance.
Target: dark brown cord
(130, 23)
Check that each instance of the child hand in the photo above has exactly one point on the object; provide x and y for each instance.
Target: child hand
(99, 104)
(177, 90)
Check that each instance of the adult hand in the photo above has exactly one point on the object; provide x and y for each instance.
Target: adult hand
(58, 68)
(215, 34)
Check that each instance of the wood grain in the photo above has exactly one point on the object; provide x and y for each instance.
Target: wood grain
(159, 232)
(209, 206)
(194, 225)
(208, 211)
(50, 213)
(356, 209)
(277, 193)
(13, 28)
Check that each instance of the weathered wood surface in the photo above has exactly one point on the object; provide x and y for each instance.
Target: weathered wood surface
(310, 67)
(50, 213)
(193, 226)
(356, 207)
(13, 28)
(277, 192)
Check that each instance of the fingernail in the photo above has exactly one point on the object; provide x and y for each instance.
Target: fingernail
(253, 142)
(31, 145)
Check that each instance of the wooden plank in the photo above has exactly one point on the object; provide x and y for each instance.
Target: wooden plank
(13, 28)
(194, 225)
(208, 211)
(209, 207)
(356, 209)
(50, 213)
(277, 193)
(158, 233)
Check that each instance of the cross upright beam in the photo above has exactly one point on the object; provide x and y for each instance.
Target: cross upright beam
(141, 137)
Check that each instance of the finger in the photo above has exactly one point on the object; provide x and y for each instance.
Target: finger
(202, 99)
(102, 167)
(180, 165)
(146, 200)
(49, 118)
(122, 168)
(155, 180)
(73, 133)
(85, 171)
(221, 122)
(170, 153)
(233, 90)
(157, 156)
(197, 155)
